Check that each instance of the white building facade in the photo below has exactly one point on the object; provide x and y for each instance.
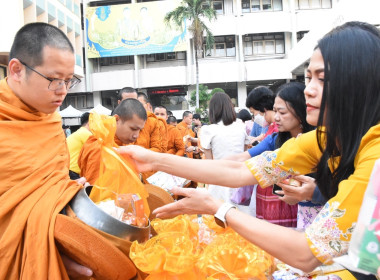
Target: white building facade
(252, 43)
(65, 14)
(257, 42)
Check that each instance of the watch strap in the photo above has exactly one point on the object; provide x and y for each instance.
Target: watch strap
(220, 215)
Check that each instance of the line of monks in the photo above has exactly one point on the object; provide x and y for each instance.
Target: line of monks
(157, 132)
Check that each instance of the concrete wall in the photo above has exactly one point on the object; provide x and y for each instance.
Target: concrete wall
(11, 21)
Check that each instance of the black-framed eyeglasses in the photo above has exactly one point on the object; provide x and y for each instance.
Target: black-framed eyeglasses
(56, 84)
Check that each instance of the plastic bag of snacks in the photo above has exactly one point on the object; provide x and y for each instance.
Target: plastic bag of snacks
(116, 173)
(128, 208)
(364, 251)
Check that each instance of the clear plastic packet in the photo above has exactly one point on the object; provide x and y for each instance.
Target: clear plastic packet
(167, 181)
(133, 206)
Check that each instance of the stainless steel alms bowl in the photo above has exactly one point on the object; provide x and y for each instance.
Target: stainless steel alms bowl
(87, 211)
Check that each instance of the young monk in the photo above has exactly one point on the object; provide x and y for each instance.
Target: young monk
(184, 128)
(175, 146)
(35, 184)
(150, 135)
(342, 78)
(130, 118)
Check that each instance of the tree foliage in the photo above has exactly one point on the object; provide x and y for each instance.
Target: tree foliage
(194, 11)
(216, 90)
(204, 100)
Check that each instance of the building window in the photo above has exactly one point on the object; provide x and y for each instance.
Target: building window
(313, 4)
(224, 46)
(264, 44)
(217, 5)
(154, 57)
(301, 34)
(109, 99)
(249, 6)
(78, 101)
(116, 60)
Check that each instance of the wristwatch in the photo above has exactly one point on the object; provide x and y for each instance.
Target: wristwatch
(220, 215)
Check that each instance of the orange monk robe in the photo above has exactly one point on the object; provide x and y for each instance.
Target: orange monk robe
(185, 130)
(176, 146)
(200, 148)
(89, 159)
(35, 187)
(150, 137)
(164, 134)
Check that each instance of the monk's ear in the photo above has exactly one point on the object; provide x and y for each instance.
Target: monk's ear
(15, 70)
(116, 117)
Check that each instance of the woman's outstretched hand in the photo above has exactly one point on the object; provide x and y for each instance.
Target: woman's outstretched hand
(143, 158)
(195, 201)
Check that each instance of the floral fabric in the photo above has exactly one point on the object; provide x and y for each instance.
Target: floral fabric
(306, 214)
(330, 232)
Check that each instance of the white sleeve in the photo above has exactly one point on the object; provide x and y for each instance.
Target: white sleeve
(207, 133)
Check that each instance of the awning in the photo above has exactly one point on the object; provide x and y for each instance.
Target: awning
(101, 110)
(70, 112)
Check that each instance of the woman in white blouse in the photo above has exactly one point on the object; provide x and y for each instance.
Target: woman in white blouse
(223, 137)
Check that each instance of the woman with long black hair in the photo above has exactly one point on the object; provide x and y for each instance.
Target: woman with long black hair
(343, 100)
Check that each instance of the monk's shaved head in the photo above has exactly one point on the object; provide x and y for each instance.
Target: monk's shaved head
(129, 107)
(145, 101)
(31, 40)
(186, 114)
(126, 92)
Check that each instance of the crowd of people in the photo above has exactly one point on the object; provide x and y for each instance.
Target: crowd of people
(301, 158)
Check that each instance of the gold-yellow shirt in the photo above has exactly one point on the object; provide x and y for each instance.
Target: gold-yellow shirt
(329, 235)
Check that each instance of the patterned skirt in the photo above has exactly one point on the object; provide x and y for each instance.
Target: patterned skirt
(273, 210)
(307, 211)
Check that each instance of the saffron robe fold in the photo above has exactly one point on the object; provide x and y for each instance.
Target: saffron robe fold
(89, 159)
(150, 137)
(35, 187)
(163, 127)
(176, 146)
(185, 130)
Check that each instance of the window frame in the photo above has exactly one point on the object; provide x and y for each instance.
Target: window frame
(154, 57)
(218, 11)
(249, 8)
(310, 7)
(116, 60)
(220, 40)
(275, 39)
(79, 101)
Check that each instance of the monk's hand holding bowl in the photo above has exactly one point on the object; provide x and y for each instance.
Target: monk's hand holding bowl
(74, 269)
(195, 201)
(82, 181)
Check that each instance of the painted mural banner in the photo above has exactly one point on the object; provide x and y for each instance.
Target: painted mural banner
(132, 29)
